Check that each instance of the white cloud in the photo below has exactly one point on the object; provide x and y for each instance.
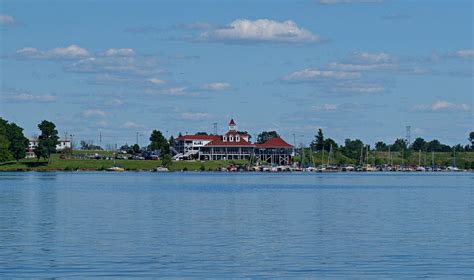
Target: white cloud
(131, 125)
(156, 81)
(70, 52)
(91, 113)
(365, 57)
(27, 97)
(358, 87)
(216, 86)
(442, 105)
(325, 107)
(6, 20)
(195, 26)
(464, 54)
(131, 65)
(313, 74)
(102, 123)
(114, 102)
(361, 67)
(195, 116)
(176, 91)
(335, 2)
(260, 30)
(118, 53)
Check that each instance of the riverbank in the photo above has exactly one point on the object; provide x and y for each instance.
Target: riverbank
(58, 164)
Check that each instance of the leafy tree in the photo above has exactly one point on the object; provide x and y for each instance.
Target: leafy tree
(419, 144)
(352, 148)
(18, 142)
(265, 135)
(318, 142)
(381, 146)
(399, 145)
(136, 149)
(47, 140)
(166, 161)
(242, 132)
(201, 133)
(5, 154)
(159, 142)
(471, 139)
(328, 143)
(89, 146)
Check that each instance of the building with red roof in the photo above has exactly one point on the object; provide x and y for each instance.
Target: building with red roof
(233, 145)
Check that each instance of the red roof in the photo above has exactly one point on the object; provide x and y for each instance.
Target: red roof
(274, 142)
(197, 137)
(232, 122)
(219, 143)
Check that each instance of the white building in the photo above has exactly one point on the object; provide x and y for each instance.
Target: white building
(63, 144)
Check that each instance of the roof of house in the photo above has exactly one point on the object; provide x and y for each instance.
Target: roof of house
(274, 142)
(233, 132)
(219, 143)
(198, 137)
(232, 122)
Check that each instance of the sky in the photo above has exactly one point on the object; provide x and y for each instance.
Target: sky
(359, 69)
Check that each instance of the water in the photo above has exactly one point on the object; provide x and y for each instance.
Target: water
(236, 225)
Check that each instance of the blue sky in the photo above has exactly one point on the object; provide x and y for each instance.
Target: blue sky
(356, 68)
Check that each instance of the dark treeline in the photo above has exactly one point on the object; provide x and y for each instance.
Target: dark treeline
(351, 148)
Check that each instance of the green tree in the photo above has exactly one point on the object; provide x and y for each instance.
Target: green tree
(419, 144)
(5, 154)
(352, 148)
(166, 161)
(399, 145)
(471, 139)
(318, 142)
(159, 143)
(18, 142)
(47, 140)
(381, 146)
(136, 148)
(265, 135)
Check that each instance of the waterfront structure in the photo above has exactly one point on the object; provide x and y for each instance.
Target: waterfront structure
(233, 145)
(34, 141)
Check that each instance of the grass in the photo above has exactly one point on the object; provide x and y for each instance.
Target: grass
(58, 164)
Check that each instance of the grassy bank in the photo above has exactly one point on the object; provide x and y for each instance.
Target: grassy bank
(58, 164)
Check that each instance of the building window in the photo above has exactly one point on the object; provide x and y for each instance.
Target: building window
(224, 139)
(237, 138)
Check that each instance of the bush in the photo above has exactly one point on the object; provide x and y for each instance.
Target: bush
(185, 169)
(202, 168)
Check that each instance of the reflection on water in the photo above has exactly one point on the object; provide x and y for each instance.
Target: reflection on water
(236, 225)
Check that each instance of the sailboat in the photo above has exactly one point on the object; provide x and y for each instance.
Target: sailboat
(420, 168)
(115, 168)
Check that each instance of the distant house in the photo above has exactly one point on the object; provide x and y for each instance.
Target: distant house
(63, 144)
(233, 145)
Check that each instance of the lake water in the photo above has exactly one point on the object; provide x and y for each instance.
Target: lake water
(237, 225)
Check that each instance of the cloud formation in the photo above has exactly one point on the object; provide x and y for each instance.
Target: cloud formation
(131, 125)
(70, 52)
(260, 31)
(6, 20)
(118, 53)
(194, 116)
(92, 113)
(216, 86)
(314, 74)
(464, 54)
(442, 105)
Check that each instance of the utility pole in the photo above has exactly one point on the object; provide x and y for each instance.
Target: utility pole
(215, 128)
(408, 136)
(100, 138)
(72, 143)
